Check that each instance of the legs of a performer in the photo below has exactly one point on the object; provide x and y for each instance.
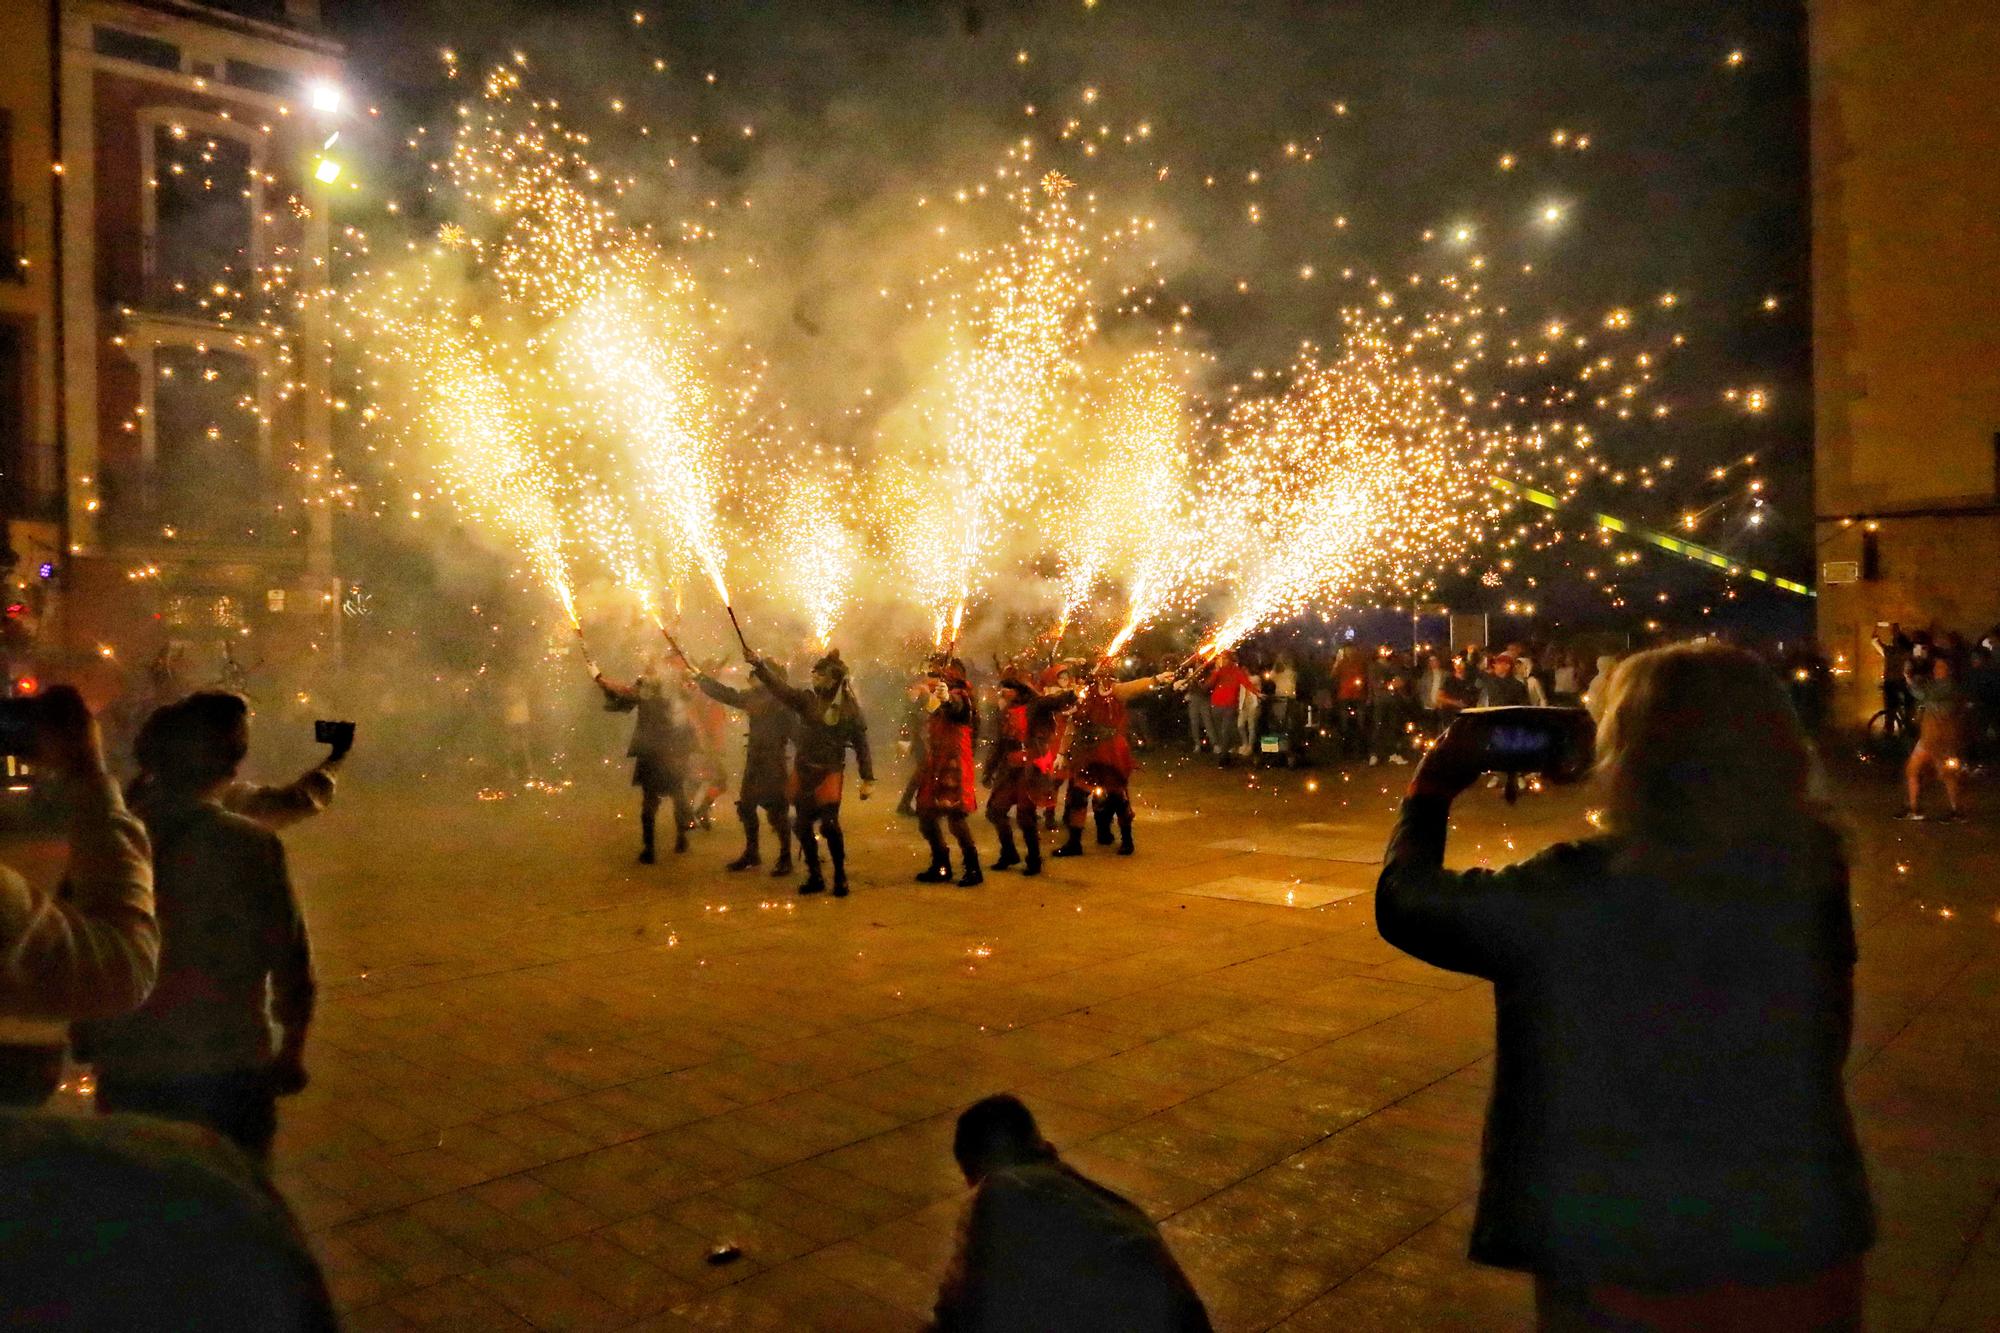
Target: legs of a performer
(781, 825)
(1076, 799)
(824, 819)
(933, 824)
(1108, 804)
(649, 813)
(1005, 819)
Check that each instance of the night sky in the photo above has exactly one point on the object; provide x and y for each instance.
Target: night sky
(1694, 180)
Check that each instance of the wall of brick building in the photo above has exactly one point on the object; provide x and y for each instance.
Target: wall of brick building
(1906, 336)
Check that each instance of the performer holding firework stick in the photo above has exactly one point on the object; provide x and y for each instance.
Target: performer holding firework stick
(659, 751)
(830, 724)
(767, 764)
(947, 792)
(1098, 758)
(1018, 768)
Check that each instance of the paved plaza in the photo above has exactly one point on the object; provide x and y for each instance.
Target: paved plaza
(549, 1083)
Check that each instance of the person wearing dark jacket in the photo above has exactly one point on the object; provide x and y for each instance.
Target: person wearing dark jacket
(830, 724)
(661, 741)
(1668, 1137)
(1045, 1249)
(223, 1033)
(767, 765)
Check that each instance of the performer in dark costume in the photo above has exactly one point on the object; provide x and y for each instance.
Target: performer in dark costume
(1017, 768)
(659, 750)
(911, 743)
(948, 790)
(1097, 758)
(767, 766)
(830, 724)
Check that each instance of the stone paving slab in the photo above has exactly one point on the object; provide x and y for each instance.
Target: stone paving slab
(549, 1082)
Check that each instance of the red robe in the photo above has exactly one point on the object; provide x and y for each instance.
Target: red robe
(1024, 755)
(948, 781)
(1100, 749)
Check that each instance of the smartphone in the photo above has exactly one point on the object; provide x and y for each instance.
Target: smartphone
(1558, 743)
(326, 732)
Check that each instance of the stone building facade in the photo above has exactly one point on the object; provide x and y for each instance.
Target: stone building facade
(1906, 323)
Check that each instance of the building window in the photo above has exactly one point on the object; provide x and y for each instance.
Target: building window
(207, 466)
(201, 254)
(13, 225)
(15, 487)
(261, 78)
(121, 45)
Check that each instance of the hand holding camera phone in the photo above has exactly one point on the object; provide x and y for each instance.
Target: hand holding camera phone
(1556, 743)
(338, 736)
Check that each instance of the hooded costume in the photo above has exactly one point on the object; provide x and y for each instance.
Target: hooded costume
(830, 724)
(767, 766)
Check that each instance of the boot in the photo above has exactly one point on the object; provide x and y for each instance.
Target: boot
(680, 840)
(813, 884)
(971, 878)
(784, 866)
(1103, 818)
(745, 861)
(840, 883)
(1074, 847)
(1010, 856)
(645, 839)
(1124, 832)
(646, 855)
(939, 873)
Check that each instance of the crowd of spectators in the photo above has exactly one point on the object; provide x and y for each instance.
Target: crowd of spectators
(1376, 704)
(1712, 1180)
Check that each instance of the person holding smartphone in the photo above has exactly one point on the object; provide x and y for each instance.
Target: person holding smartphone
(223, 1034)
(1668, 1141)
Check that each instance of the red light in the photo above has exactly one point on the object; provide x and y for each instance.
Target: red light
(27, 685)
(15, 610)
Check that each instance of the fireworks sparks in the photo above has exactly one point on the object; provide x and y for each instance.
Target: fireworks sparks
(579, 395)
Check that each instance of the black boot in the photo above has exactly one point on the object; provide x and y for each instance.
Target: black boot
(745, 861)
(1073, 847)
(680, 840)
(971, 878)
(1103, 818)
(1124, 832)
(939, 873)
(784, 865)
(1032, 836)
(1010, 855)
(840, 883)
(645, 838)
(813, 884)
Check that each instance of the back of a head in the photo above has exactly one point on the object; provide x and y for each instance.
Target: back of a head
(195, 742)
(125, 1223)
(996, 1132)
(1699, 748)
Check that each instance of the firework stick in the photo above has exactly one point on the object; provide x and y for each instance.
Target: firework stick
(583, 646)
(676, 647)
(742, 642)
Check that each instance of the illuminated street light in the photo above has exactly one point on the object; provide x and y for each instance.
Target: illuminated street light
(325, 96)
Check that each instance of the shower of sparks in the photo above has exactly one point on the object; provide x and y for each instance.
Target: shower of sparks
(1129, 522)
(571, 381)
(816, 556)
(996, 405)
(1357, 475)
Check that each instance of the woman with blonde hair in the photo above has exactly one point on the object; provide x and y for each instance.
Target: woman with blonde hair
(1668, 1143)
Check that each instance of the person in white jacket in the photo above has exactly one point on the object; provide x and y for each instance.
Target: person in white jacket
(91, 949)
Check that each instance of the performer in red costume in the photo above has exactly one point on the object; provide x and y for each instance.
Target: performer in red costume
(1097, 758)
(947, 790)
(1017, 768)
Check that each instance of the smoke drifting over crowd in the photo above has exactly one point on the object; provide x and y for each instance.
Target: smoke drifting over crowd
(962, 332)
